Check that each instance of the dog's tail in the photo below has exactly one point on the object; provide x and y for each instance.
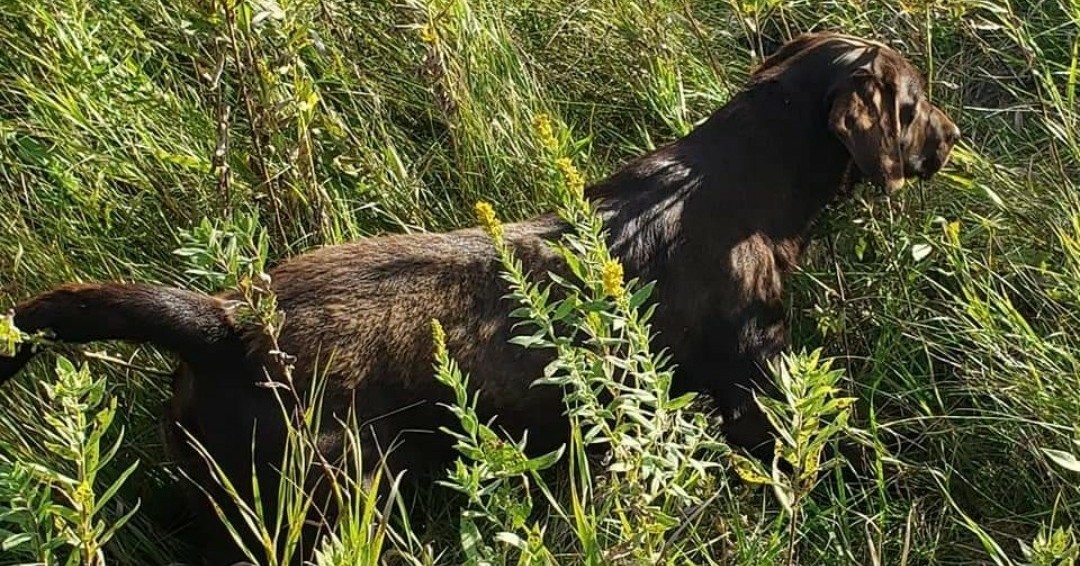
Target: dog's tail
(193, 325)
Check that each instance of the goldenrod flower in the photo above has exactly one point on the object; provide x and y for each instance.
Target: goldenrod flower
(544, 132)
(428, 34)
(485, 214)
(952, 231)
(574, 181)
(10, 337)
(84, 494)
(439, 336)
(612, 277)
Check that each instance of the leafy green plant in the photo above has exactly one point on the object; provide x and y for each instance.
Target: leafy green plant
(617, 393)
(53, 510)
(808, 416)
(236, 255)
(496, 476)
(1052, 548)
(951, 307)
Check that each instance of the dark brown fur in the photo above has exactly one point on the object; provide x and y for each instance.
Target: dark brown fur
(716, 219)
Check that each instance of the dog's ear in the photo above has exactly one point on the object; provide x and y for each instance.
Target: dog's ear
(865, 117)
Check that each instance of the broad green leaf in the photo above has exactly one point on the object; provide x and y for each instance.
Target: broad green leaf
(1063, 459)
(750, 470)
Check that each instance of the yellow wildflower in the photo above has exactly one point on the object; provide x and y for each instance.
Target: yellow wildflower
(428, 34)
(486, 215)
(574, 181)
(10, 336)
(544, 131)
(952, 232)
(612, 277)
(84, 494)
(439, 335)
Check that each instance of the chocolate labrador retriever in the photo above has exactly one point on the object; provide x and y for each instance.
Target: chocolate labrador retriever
(716, 218)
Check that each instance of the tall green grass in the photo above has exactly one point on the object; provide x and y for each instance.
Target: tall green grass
(951, 308)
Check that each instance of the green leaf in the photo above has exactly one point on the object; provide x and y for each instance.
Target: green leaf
(532, 341)
(920, 251)
(15, 540)
(109, 493)
(511, 539)
(574, 264)
(520, 312)
(751, 471)
(783, 495)
(1063, 459)
(472, 543)
(547, 460)
(564, 308)
(860, 248)
(641, 295)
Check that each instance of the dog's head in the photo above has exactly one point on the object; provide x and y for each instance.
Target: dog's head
(876, 103)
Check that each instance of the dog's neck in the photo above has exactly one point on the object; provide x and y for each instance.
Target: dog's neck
(759, 167)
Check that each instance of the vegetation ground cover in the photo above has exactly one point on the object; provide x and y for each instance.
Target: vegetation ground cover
(129, 130)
